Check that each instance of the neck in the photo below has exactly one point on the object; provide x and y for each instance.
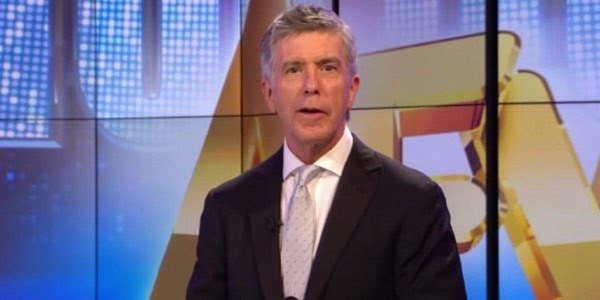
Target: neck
(309, 152)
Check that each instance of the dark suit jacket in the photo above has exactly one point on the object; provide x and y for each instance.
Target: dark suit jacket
(387, 236)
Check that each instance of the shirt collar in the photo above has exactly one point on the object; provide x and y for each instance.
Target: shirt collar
(333, 161)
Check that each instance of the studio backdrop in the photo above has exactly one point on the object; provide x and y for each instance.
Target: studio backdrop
(118, 116)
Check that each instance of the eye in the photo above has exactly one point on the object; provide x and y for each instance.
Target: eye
(292, 70)
(329, 67)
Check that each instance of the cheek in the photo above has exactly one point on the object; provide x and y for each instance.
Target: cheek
(343, 96)
(284, 96)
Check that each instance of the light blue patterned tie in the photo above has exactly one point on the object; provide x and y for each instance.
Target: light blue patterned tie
(298, 235)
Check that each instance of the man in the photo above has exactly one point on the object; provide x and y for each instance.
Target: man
(325, 217)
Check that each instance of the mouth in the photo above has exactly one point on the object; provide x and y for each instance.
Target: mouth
(310, 111)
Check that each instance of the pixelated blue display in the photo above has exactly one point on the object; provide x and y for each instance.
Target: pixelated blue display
(523, 16)
(47, 218)
(109, 35)
(110, 64)
(190, 38)
(472, 15)
(411, 20)
(530, 19)
(25, 91)
(583, 38)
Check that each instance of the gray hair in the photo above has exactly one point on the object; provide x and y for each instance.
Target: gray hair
(305, 18)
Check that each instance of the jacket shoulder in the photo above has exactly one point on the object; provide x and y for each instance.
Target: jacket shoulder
(253, 181)
(403, 172)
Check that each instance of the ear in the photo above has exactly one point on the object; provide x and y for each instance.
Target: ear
(267, 92)
(354, 84)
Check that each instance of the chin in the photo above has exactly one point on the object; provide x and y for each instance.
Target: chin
(315, 137)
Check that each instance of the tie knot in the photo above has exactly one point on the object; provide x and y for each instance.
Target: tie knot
(307, 173)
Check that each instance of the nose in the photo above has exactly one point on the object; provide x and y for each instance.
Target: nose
(311, 82)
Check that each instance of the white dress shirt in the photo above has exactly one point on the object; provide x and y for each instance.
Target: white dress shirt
(322, 188)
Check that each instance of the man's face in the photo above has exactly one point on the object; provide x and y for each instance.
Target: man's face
(310, 88)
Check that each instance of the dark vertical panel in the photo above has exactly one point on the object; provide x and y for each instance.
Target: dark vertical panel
(491, 94)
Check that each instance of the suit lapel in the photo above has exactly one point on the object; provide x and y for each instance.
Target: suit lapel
(354, 190)
(265, 220)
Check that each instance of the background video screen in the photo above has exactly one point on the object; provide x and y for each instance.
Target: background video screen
(117, 117)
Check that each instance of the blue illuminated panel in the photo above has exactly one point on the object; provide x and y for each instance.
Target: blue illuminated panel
(583, 27)
(111, 65)
(520, 16)
(190, 55)
(112, 48)
(47, 223)
(190, 47)
(472, 15)
(523, 16)
(412, 20)
(25, 95)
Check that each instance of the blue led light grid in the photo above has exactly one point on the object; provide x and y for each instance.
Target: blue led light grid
(25, 96)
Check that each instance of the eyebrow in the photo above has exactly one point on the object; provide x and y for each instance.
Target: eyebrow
(326, 60)
(319, 62)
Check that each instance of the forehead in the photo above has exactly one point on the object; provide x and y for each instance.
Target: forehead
(309, 45)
